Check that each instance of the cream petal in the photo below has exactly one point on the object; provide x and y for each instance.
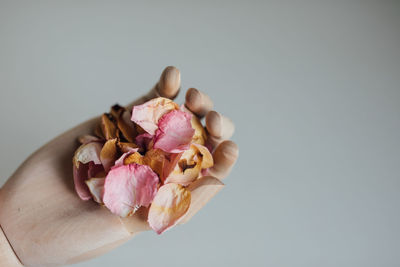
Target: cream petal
(190, 165)
(171, 202)
(148, 114)
(88, 152)
(96, 187)
(188, 168)
(208, 160)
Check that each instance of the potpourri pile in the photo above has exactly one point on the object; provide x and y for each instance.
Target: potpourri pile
(146, 156)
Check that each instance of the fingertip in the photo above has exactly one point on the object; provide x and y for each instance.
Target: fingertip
(225, 157)
(219, 126)
(229, 150)
(198, 102)
(169, 83)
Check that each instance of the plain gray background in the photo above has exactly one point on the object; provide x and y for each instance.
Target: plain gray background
(313, 88)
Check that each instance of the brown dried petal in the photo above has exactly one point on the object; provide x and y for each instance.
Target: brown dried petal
(126, 126)
(126, 147)
(108, 154)
(108, 127)
(116, 110)
(134, 158)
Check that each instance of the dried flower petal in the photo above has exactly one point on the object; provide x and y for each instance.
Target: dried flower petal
(96, 188)
(126, 147)
(86, 153)
(116, 110)
(135, 157)
(80, 176)
(190, 164)
(161, 162)
(143, 140)
(175, 132)
(171, 202)
(120, 161)
(108, 127)
(126, 126)
(207, 161)
(148, 114)
(188, 168)
(108, 154)
(129, 186)
(86, 164)
(200, 135)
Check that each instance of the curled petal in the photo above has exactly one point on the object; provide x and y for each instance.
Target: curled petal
(120, 161)
(190, 164)
(126, 126)
(108, 127)
(175, 132)
(148, 114)
(80, 176)
(188, 168)
(200, 135)
(169, 205)
(129, 186)
(161, 162)
(108, 154)
(96, 187)
(127, 147)
(86, 153)
(135, 157)
(207, 161)
(95, 170)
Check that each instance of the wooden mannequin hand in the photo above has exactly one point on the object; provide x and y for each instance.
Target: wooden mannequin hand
(47, 224)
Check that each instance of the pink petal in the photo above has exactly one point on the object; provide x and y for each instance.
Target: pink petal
(175, 132)
(129, 186)
(86, 164)
(148, 114)
(80, 176)
(169, 205)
